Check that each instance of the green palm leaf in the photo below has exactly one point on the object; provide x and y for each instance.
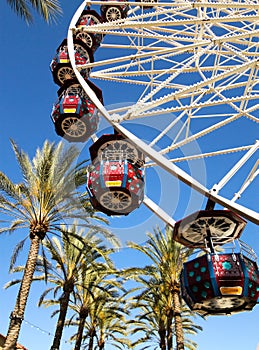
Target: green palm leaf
(47, 9)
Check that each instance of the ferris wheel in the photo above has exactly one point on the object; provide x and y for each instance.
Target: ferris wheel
(191, 69)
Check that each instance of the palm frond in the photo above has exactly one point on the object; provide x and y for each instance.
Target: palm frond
(48, 9)
(12, 283)
(16, 252)
(22, 10)
(24, 164)
(8, 188)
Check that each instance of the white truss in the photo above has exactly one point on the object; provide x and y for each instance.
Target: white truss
(192, 65)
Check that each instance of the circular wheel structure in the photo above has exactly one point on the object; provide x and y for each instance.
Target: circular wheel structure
(224, 304)
(86, 38)
(221, 226)
(72, 127)
(116, 147)
(116, 201)
(122, 147)
(112, 13)
(191, 70)
(87, 18)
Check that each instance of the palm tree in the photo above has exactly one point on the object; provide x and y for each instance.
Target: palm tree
(79, 256)
(100, 309)
(85, 292)
(47, 9)
(160, 300)
(47, 196)
(106, 322)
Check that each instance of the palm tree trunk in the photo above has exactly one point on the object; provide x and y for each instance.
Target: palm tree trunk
(169, 332)
(178, 320)
(17, 315)
(64, 300)
(91, 340)
(80, 329)
(162, 335)
(101, 342)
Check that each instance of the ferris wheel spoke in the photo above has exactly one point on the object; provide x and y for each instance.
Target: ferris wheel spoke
(188, 89)
(193, 89)
(200, 134)
(211, 154)
(195, 107)
(158, 211)
(250, 178)
(217, 187)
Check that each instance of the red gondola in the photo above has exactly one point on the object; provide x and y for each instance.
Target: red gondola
(216, 284)
(74, 114)
(115, 187)
(115, 180)
(89, 18)
(61, 67)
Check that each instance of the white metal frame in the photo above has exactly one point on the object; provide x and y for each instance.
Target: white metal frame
(220, 46)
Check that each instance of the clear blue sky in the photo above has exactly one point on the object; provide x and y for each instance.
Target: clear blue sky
(27, 94)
